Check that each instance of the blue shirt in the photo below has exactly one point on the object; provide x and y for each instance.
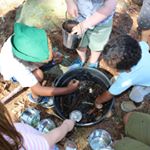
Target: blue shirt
(139, 74)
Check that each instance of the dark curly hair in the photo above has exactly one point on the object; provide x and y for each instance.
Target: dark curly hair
(122, 53)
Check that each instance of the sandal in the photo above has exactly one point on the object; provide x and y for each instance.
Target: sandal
(92, 65)
(76, 64)
(46, 102)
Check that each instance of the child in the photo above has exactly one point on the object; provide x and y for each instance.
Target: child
(95, 25)
(22, 55)
(22, 136)
(130, 60)
(144, 19)
(137, 131)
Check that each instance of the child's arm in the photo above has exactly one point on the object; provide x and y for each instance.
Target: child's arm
(40, 90)
(104, 97)
(59, 133)
(97, 17)
(101, 14)
(72, 8)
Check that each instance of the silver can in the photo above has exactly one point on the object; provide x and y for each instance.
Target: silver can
(75, 115)
(30, 116)
(46, 125)
(70, 145)
(99, 139)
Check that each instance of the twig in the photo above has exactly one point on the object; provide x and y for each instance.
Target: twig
(11, 94)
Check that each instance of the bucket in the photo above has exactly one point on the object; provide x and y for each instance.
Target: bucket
(70, 41)
(66, 104)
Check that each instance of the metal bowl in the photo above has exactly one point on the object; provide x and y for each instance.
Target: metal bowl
(99, 139)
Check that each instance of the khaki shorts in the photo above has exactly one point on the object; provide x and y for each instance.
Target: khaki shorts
(138, 127)
(96, 38)
(138, 133)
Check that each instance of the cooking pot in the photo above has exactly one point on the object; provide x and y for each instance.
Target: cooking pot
(98, 76)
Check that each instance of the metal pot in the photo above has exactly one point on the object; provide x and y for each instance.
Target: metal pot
(70, 41)
(73, 74)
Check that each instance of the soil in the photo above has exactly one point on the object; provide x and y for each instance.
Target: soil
(83, 99)
(124, 22)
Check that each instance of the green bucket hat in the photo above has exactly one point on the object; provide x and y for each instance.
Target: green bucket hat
(30, 43)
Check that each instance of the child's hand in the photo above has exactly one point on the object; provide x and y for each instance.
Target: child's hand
(70, 124)
(73, 85)
(98, 105)
(79, 29)
(57, 57)
(72, 8)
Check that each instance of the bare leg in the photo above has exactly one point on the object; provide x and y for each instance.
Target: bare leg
(38, 74)
(94, 56)
(82, 53)
(126, 117)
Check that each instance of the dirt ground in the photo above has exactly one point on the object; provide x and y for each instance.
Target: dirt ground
(124, 22)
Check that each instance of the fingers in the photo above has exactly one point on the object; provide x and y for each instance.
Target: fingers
(98, 104)
(58, 57)
(72, 9)
(77, 30)
(70, 123)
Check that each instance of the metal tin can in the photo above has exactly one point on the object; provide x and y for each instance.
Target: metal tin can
(30, 116)
(70, 145)
(46, 125)
(99, 139)
(75, 115)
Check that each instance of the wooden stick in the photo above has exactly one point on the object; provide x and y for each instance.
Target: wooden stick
(11, 94)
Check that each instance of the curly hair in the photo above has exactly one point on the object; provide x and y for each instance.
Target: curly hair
(122, 53)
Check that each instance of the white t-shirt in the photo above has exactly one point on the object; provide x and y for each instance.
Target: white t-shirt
(12, 67)
(139, 74)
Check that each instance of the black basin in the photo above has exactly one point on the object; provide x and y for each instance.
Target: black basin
(98, 77)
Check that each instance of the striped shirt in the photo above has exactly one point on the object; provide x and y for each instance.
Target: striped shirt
(33, 139)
